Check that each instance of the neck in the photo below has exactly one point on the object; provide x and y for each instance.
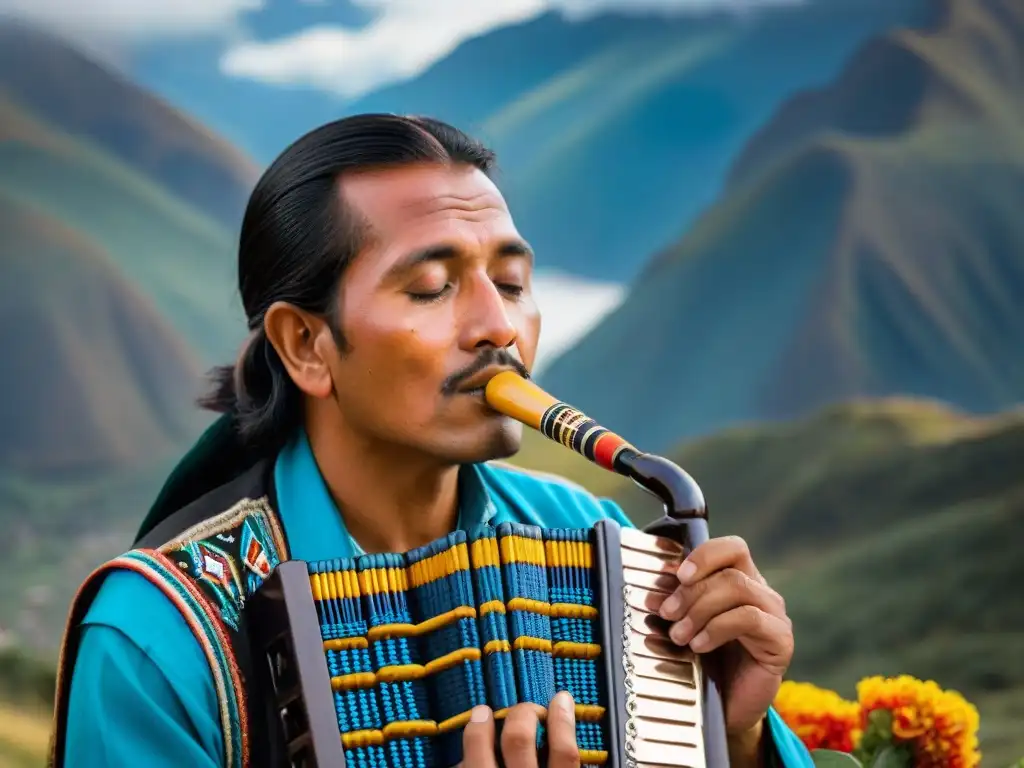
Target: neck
(390, 501)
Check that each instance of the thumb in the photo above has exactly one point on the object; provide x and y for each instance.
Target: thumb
(478, 739)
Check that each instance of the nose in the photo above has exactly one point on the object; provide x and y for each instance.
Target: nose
(485, 318)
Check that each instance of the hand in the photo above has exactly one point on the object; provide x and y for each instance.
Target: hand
(519, 736)
(724, 602)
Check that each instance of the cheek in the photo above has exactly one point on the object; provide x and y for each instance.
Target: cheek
(404, 355)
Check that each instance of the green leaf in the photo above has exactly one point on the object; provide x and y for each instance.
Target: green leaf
(880, 721)
(890, 757)
(828, 758)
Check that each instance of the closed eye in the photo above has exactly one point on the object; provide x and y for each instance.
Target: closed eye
(427, 298)
(511, 289)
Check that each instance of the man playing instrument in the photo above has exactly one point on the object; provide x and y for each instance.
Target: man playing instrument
(384, 283)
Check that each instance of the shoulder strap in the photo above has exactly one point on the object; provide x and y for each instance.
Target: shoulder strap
(208, 571)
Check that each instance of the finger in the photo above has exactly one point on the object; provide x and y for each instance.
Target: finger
(716, 554)
(719, 592)
(563, 751)
(478, 739)
(767, 638)
(519, 736)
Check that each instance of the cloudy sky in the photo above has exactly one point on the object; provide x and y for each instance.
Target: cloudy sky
(343, 47)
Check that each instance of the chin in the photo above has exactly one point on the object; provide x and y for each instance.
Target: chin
(499, 442)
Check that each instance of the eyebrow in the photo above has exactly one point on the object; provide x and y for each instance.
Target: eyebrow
(507, 249)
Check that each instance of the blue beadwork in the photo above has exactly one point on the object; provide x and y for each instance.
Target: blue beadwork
(410, 618)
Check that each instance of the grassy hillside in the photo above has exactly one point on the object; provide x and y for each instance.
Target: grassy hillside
(168, 249)
(57, 531)
(117, 290)
(891, 528)
(869, 244)
(26, 695)
(99, 105)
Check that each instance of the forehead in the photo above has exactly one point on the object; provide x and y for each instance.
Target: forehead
(428, 201)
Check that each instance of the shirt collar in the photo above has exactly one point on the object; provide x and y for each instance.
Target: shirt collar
(315, 528)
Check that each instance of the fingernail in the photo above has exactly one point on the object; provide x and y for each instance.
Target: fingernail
(480, 714)
(700, 641)
(680, 631)
(566, 706)
(686, 571)
(670, 606)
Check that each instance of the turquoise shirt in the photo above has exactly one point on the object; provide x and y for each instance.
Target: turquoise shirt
(142, 691)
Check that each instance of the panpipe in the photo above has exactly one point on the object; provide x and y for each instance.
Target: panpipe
(377, 660)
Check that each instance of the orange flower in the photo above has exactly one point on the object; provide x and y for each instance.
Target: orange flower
(821, 719)
(941, 725)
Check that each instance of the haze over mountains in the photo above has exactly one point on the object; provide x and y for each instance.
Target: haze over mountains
(869, 242)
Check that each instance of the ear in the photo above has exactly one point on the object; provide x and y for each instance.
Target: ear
(296, 337)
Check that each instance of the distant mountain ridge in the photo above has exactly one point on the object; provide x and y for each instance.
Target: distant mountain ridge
(613, 133)
(117, 265)
(86, 99)
(869, 243)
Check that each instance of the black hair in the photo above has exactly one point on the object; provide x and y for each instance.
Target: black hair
(297, 238)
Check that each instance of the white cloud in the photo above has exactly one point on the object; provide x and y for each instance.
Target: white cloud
(130, 21)
(576, 9)
(570, 307)
(407, 36)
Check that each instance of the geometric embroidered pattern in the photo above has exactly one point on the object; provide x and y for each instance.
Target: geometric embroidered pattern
(208, 572)
(230, 556)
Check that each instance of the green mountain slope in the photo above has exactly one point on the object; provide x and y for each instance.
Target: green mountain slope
(101, 381)
(869, 244)
(892, 529)
(170, 250)
(93, 102)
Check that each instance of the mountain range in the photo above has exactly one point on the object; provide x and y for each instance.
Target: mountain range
(868, 242)
(817, 272)
(809, 207)
(156, 197)
(613, 133)
(92, 102)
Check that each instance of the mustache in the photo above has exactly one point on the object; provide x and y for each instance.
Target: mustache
(488, 358)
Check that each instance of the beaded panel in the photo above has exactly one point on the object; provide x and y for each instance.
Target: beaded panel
(414, 641)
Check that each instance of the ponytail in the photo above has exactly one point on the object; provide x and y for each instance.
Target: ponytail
(263, 402)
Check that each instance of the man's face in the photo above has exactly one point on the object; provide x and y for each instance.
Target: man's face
(442, 284)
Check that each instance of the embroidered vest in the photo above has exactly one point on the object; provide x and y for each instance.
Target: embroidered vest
(208, 559)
